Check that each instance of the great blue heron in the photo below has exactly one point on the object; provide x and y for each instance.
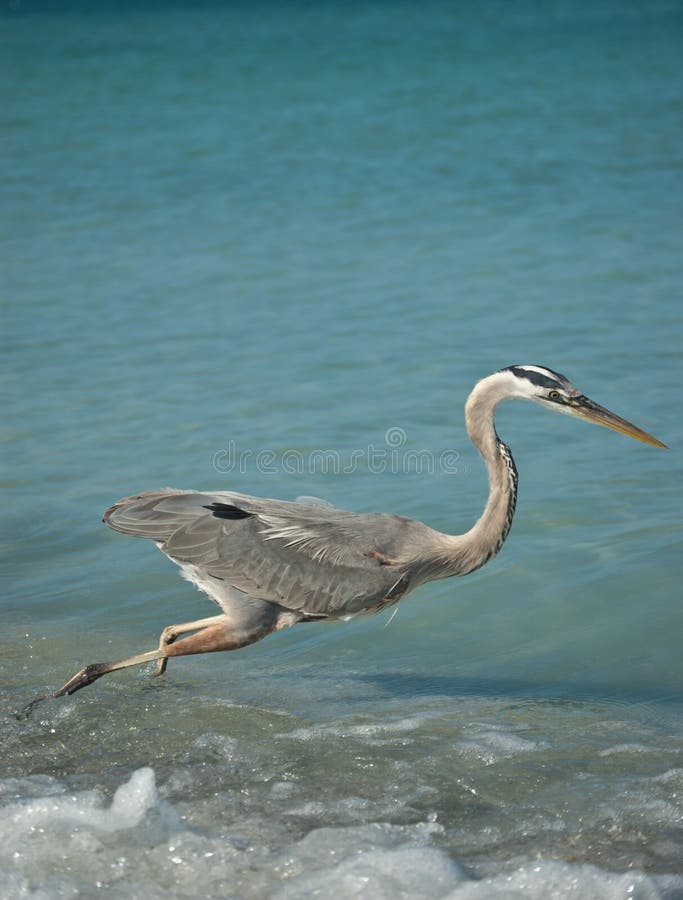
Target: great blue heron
(269, 564)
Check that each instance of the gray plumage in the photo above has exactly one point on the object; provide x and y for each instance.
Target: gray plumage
(308, 559)
(269, 564)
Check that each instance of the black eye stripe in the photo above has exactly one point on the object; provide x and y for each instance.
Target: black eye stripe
(537, 378)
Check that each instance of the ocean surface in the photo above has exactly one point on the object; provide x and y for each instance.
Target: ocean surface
(270, 247)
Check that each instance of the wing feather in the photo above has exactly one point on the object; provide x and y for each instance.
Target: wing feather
(315, 559)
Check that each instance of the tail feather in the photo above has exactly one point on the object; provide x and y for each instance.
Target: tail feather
(155, 515)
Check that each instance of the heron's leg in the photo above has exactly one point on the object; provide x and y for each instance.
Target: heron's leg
(97, 670)
(172, 632)
(223, 632)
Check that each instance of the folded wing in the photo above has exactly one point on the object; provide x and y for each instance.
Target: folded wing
(314, 559)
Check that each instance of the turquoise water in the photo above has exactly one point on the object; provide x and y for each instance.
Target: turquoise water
(270, 248)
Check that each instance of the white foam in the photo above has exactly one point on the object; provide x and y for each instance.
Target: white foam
(419, 873)
(30, 786)
(58, 844)
(369, 730)
(129, 805)
(492, 744)
(555, 880)
(43, 837)
(628, 748)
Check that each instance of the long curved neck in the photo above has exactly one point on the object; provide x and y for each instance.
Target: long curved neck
(472, 549)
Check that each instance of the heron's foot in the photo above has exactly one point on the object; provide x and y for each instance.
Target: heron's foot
(160, 667)
(83, 678)
(168, 636)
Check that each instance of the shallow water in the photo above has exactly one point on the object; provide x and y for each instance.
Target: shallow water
(270, 249)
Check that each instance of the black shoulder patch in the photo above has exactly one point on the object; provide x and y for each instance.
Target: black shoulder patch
(228, 511)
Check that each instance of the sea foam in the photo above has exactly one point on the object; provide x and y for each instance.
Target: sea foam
(55, 843)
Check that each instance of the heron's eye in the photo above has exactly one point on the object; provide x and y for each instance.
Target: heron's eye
(554, 395)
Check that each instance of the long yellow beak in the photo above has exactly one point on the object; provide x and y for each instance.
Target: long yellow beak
(593, 412)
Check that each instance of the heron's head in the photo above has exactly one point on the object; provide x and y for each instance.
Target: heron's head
(555, 392)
